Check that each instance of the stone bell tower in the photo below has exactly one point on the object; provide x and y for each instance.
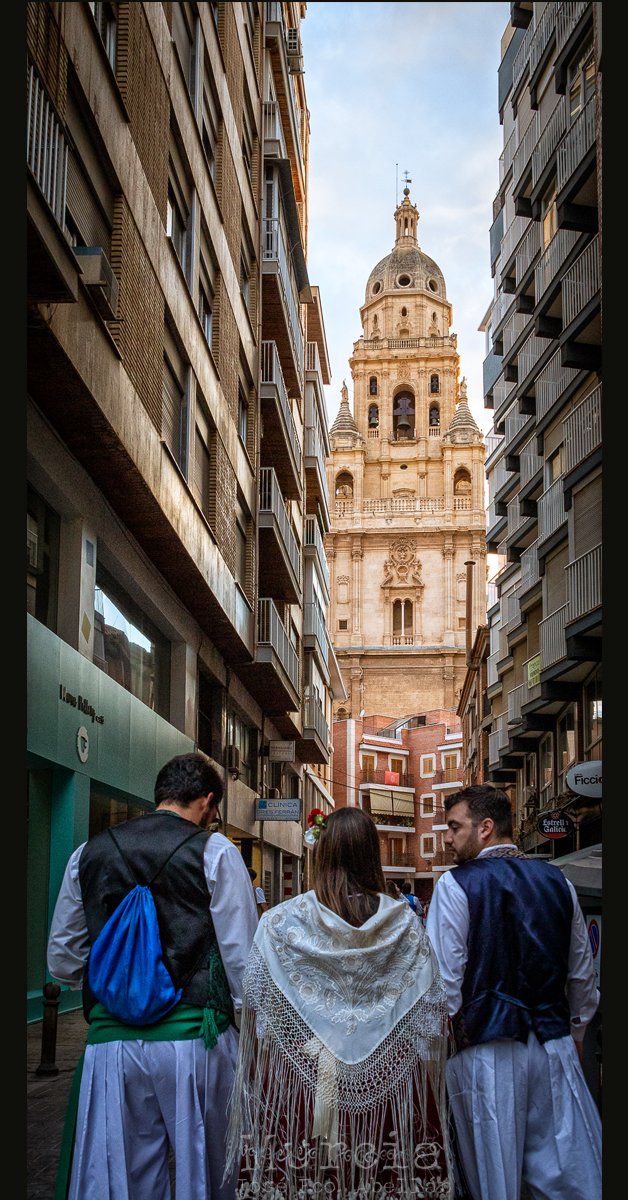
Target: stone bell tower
(406, 481)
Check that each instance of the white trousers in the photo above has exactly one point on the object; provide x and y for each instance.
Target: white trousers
(139, 1098)
(526, 1112)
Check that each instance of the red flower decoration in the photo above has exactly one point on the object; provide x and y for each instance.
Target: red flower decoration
(316, 817)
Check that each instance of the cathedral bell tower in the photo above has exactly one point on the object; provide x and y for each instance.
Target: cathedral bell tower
(406, 481)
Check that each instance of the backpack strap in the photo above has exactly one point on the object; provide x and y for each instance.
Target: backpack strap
(188, 838)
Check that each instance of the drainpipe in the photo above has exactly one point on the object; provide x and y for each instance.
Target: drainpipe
(469, 564)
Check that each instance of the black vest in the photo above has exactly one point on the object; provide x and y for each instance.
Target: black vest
(188, 938)
(520, 913)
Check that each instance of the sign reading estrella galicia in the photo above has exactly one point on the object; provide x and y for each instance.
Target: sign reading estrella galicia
(556, 824)
(288, 808)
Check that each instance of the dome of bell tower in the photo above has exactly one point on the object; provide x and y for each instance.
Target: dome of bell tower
(407, 267)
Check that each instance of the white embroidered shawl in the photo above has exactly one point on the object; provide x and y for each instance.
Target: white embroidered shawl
(343, 1034)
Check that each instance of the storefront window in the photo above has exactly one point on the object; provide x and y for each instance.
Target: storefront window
(567, 744)
(593, 716)
(546, 769)
(128, 647)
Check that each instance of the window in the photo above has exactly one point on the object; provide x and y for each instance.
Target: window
(174, 416)
(434, 416)
(428, 806)
(183, 36)
(546, 769)
(42, 559)
(344, 485)
(427, 845)
(373, 416)
(210, 122)
(554, 466)
(450, 761)
(244, 737)
(204, 449)
(209, 718)
(241, 540)
(248, 137)
(343, 623)
(177, 225)
(402, 623)
(582, 82)
(373, 385)
(593, 716)
(434, 384)
(548, 215)
(566, 744)
(246, 270)
(243, 414)
(403, 415)
(105, 18)
(128, 646)
(368, 768)
(428, 765)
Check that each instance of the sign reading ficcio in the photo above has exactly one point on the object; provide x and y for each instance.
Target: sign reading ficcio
(586, 778)
(556, 824)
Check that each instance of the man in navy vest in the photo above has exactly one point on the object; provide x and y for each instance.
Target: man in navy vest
(515, 958)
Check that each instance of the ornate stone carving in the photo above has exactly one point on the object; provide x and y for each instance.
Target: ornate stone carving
(402, 567)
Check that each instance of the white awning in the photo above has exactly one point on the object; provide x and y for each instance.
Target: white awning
(401, 804)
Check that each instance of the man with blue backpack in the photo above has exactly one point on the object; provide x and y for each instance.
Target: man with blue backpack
(154, 920)
(413, 901)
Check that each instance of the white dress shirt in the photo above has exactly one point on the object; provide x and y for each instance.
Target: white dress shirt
(448, 927)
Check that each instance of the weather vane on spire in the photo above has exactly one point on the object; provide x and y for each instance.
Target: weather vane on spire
(407, 180)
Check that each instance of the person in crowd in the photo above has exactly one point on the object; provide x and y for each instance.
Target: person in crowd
(147, 1093)
(260, 895)
(394, 890)
(515, 958)
(412, 900)
(339, 1088)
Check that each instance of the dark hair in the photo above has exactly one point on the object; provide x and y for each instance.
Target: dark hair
(252, 872)
(393, 889)
(348, 876)
(406, 887)
(186, 777)
(482, 800)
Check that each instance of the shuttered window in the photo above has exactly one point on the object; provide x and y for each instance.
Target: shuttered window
(587, 509)
(172, 414)
(84, 209)
(554, 582)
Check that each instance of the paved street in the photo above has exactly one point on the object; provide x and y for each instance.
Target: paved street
(46, 1098)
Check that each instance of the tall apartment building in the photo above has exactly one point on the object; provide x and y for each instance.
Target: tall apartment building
(177, 500)
(407, 481)
(543, 382)
(400, 771)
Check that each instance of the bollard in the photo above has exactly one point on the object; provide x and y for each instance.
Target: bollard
(48, 1066)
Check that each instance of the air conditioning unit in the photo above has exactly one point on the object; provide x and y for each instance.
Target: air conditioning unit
(233, 758)
(294, 51)
(99, 279)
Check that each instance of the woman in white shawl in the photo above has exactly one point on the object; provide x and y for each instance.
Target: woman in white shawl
(339, 1091)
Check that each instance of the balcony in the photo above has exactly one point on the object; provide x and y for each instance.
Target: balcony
(543, 33)
(400, 861)
(527, 252)
(575, 146)
(502, 400)
(447, 777)
(553, 642)
(315, 635)
(529, 355)
(276, 661)
(521, 64)
(313, 744)
(514, 705)
(584, 584)
(551, 509)
(583, 429)
(567, 18)
(491, 371)
(522, 161)
(280, 446)
(281, 303)
(547, 270)
(581, 284)
(492, 442)
(492, 675)
(530, 574)
(313, 547)
(283, 62)
(279, 556)
(531, 680)
(386, 778)
(553, 384)
(52, 273)
(530, 463)
(315, 475)
(506, 157)
(548, 141)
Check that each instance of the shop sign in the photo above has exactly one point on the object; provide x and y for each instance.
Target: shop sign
(555, 824)
(288, 808)
(586, 779)
(280, 751)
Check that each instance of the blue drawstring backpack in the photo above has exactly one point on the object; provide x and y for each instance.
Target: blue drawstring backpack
(126, 971)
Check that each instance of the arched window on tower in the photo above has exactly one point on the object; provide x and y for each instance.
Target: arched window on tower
(403, 415)
(434, 416)
(462, 482)
(373, 416)
(373, 385)
(434, 385)
(344, 486)
(402, 623)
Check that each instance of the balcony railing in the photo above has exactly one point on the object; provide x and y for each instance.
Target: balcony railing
(387, 778)
(581, 282)
(576, 142)
(314, 626)
(314, 448)
(553, 644)
(548, 266)
(46, 146)
(532, 350)
(412, 343)
(512, 237)
(542, 34)
(513, 329)
(513, 425)
(503, 304)
(522, 57)
(550, 137)
(515, 519)
(274, 250)
(273, 129)
(531, 679)
(272, 632)
(492, 675)
(567, 17)
(496, 739)
(312, 359)
(523, 153)
(401, 504)
(550, 383)
(530, 566)
(314, 718)
(273, 374)
(491, 595)
(528, 250)
(529, 462)
(491, 442)
(313, 538)
(506, 156)
(584, 584)
(271, 501)
(551, 509)
(512, 611)
(400, 860)
(583, 429)
(514, 705)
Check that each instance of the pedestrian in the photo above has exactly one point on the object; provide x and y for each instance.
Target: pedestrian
(515, 958)
(412, 900)
(260, 895)
(340, 1089)
(394, 890)
(163, 1088)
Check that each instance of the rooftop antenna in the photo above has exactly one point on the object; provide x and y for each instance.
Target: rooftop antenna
(396, 184)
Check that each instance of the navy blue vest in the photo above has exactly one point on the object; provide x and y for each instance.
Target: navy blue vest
(182, 899)
(520, 913)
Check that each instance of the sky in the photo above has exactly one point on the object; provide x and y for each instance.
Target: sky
(396, 88)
